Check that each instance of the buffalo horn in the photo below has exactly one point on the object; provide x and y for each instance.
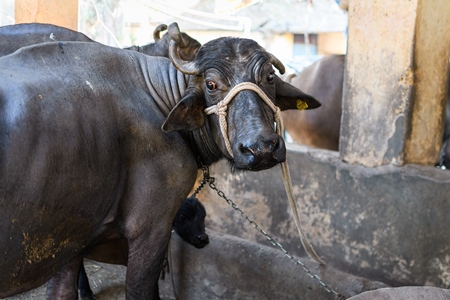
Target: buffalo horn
(175, 34)
(182, 66)
(277, 63)
(157, 31)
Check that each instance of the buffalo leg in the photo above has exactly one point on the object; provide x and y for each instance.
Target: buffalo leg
(148, 212)
(83, 285)
(63, 285)
(143, 270)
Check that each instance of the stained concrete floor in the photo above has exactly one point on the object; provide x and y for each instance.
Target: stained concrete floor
(107, 282)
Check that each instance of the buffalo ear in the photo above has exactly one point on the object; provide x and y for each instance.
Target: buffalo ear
(289, 97)
(187, 114)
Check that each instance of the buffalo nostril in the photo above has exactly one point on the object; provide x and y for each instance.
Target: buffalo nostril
(277, 146)
(246, 150)
(269, 147)
(201, 241)
(203, 238)
(260, 149)
(273, 145)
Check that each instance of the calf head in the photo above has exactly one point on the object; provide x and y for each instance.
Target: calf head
(188, 46)
(189, 223)
(219, 66)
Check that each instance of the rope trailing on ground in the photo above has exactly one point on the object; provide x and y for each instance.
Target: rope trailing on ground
(220, 110)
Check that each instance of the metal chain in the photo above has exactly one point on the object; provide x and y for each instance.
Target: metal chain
(206, 177)
(210, 181)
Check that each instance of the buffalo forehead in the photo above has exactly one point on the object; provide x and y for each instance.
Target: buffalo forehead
(230, 54)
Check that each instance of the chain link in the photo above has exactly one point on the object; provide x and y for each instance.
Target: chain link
(210, 181)
(206, 178)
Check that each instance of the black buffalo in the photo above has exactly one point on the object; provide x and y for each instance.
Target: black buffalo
(100, 145)
(13, 37)
(189, 224)
(16, 36)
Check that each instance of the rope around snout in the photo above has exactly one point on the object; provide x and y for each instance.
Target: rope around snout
(220, 110)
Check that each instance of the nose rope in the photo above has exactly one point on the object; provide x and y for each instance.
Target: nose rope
(220, 109)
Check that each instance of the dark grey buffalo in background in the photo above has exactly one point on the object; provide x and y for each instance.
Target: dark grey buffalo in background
(188, 45)
(90, 157)
(13, 37)
(189, 224)
(320, 128)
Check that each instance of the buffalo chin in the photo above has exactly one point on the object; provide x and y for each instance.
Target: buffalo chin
(257, 167)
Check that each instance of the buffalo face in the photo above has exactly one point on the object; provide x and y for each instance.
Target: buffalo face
(219, 66)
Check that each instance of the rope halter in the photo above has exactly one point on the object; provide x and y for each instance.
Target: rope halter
(220, 109)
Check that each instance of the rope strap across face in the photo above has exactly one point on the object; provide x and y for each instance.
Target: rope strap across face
(220, 109)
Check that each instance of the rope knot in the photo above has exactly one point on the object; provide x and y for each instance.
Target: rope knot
(219, 109)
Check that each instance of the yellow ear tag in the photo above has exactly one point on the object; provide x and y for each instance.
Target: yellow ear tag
(301, 105)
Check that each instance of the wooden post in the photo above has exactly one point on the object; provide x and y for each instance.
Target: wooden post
(431, 49)
(62, 12)
(395, 82)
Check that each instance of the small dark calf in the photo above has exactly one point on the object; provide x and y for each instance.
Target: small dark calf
(189, 224)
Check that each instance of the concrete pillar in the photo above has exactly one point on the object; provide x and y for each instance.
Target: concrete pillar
(62, 12)
(395, 82)
(331, 43)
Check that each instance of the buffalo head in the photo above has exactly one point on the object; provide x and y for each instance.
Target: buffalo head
(219, 66)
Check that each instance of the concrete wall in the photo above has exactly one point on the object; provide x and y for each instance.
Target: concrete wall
(387, 223)
(405, 293)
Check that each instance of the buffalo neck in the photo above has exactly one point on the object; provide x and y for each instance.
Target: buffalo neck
(167, 89)
(203, 145)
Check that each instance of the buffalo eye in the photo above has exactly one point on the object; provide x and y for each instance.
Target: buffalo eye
(211, 85)
(271, 77)
(183, 217)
